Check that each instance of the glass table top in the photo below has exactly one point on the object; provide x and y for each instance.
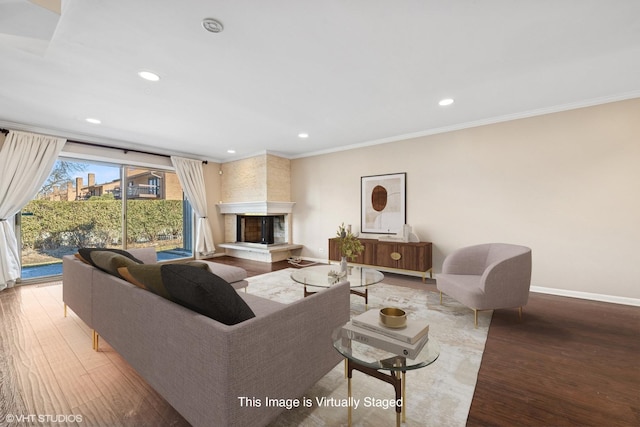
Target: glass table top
(326, 275)
(377, 358)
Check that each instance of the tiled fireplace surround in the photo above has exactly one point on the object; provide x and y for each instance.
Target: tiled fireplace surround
(257, 186)
(279, 250)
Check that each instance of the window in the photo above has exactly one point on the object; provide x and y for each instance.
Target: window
(156, 212)
(82, 205)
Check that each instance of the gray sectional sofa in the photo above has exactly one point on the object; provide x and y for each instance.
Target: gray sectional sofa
(205, 369)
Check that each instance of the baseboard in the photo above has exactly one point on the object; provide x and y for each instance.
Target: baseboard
(587, 295)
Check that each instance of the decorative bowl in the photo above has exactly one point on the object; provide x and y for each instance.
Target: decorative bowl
(392, 317)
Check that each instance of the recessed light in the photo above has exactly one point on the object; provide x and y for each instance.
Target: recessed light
(93, 121)
(231, 151)
(212, 25)
(148, 75)
(303, 135)
(445, 102)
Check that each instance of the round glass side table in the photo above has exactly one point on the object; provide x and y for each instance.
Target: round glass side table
(373, 361)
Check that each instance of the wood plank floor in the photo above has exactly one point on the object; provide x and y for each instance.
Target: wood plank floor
(570, 362)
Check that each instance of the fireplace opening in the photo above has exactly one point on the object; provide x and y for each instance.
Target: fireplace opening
(261, 229)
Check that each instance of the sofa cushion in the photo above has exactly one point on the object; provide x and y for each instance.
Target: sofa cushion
(84, 254)
(230, 273)
(109, 262)
(149, 277)
(205, 293)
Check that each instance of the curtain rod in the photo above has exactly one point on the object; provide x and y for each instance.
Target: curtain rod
(126, 150)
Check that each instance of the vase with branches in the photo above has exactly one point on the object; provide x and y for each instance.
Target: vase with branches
(348, 245)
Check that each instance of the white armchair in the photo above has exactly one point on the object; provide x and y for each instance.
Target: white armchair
(488, 276)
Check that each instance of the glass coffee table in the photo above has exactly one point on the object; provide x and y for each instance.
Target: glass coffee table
(373, 361)
(324, 276)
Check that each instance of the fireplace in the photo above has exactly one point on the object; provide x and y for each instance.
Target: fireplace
(261, 229)
(249, 227)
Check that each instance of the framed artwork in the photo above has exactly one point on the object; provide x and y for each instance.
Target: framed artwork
(383, 203)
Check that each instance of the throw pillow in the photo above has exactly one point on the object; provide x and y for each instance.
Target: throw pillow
(148, 276)
(84, 254)
(78, 256)
(205, 293)
(144, 276)
(109, 262)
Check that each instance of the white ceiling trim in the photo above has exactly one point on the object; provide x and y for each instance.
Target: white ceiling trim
(477, 123)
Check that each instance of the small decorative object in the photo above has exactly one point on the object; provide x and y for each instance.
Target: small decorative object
(335, 276)
(348, 245)
(392, 317)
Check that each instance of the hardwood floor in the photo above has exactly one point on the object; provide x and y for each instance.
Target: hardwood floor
(51, 376)
(569, 362)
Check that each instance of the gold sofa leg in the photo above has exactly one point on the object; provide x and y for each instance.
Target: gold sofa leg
(520, 314)
(65, 310)
(96, 340)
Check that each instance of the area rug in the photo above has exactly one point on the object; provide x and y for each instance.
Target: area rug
(437, 395)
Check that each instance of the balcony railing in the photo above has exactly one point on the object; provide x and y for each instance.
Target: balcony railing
(142, 191)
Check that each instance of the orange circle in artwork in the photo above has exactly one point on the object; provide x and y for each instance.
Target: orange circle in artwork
(379, 198)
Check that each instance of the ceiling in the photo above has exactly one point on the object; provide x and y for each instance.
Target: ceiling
(347, 72)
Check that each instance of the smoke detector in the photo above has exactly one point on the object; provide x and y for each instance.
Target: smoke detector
(212, 25)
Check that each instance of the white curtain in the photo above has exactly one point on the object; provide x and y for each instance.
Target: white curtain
(192, 181)
(26, 160)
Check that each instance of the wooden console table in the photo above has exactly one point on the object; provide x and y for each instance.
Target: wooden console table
(391, 256)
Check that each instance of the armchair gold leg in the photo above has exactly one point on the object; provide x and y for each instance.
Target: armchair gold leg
(475, 318)
(65, 310)
(520, 314)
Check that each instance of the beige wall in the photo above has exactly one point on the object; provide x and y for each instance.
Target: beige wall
(565, 184)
